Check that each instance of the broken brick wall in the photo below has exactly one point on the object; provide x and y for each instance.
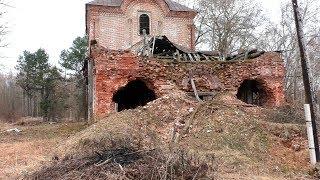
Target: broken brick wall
(114, 69)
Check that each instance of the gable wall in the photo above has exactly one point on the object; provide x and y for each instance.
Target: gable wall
(121, 30)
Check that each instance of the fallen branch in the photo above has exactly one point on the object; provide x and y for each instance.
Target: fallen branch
(186, 128)
(120, 155)
(195, 89)
(195, 176)
(104, 162)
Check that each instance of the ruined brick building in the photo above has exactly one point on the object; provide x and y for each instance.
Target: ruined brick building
(143, 49)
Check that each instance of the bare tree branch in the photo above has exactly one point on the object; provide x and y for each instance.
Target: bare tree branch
(3, 24)
(282, 36)
(228, 25)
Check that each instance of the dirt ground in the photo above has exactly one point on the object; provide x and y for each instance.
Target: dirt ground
(21, 152)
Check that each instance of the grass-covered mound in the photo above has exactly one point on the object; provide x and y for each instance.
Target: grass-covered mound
(176, 138)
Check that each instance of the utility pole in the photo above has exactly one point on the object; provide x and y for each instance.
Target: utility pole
(310, 99)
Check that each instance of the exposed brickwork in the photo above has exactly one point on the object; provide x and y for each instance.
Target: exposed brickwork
(114, 69)
(118, 28)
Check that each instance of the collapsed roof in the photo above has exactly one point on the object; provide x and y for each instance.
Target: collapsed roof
(161, 47)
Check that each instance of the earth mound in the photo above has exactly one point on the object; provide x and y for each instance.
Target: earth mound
(175, 137)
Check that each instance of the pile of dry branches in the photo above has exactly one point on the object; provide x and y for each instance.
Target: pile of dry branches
(125, 163)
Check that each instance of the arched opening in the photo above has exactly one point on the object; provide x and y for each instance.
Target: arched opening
(144, 21)
(136, 93)
(252, 92)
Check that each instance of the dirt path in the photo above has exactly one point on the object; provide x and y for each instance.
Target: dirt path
(24, 151)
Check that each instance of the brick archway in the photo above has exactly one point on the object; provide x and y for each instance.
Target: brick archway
(136, 93)
(253, 92)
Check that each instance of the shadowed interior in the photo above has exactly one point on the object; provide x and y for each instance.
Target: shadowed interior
(136, 93)
(251, 92)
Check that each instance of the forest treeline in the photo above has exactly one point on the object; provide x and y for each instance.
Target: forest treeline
(40, 89)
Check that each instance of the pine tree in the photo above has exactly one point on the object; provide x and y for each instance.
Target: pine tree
(36, 77)
(73, 59)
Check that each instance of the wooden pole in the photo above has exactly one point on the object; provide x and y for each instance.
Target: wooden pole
(307, 81)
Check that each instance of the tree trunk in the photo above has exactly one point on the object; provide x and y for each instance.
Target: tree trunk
(295, 86)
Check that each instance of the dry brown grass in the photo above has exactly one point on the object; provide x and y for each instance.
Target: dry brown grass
(25, 151)
(244, 141)
(126, 163)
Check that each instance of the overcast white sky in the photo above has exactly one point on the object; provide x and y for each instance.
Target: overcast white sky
(53, 24)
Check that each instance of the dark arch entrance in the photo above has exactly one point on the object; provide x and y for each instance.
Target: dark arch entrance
(251, 92)
(134, 94)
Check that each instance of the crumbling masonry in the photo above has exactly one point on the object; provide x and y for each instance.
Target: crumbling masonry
(154, 65)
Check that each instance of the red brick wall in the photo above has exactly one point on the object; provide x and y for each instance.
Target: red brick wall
(114, 69)
(116, 28)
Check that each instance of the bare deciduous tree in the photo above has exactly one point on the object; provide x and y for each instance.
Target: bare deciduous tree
(3, 25)
(229, 25)
(10, 98)
(283, 37)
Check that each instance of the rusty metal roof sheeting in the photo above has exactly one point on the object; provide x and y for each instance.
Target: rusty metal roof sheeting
(173, 6)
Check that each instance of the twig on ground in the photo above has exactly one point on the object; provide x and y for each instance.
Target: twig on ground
(195, 176)
(104, 162)
(121, 155)
(121, 168)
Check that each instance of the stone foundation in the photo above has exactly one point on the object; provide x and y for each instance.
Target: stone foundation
(114, 69)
